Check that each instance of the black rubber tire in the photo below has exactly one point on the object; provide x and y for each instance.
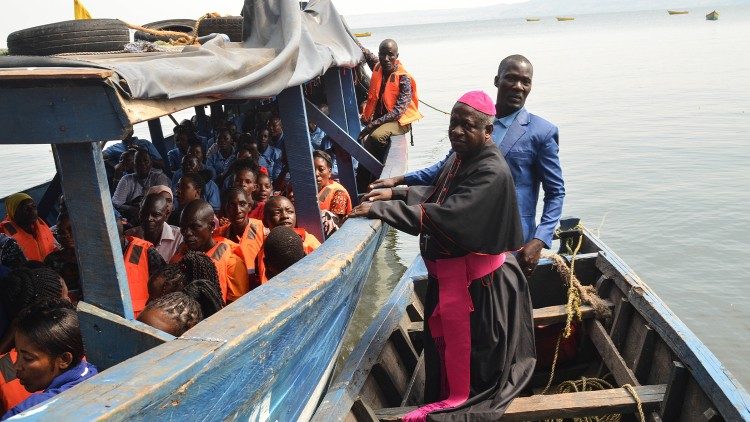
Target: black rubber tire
(177, 25)
(229, 25)
(76, 36)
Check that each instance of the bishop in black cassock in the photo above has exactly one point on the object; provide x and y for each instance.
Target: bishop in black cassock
(479, 338)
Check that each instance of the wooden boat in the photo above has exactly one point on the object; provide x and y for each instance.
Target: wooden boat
(362, 34)
(564, 18)
(713, 16)
(268, 355)
(677, 12)
(532, 19)
(642, 343)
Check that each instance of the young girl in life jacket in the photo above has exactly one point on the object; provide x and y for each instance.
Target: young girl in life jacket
(50, 352)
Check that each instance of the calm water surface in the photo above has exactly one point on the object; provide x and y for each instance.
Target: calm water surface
(654, 118)
(654, 112)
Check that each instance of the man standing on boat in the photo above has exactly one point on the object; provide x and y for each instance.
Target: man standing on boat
(478, 337)
(392, 104)
(530, 146)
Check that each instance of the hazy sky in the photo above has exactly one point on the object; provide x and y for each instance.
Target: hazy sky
(27, 13)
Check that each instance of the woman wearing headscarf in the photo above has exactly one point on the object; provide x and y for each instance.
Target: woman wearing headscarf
(24, 225)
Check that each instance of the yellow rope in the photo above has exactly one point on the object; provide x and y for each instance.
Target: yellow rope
(597, 384)
(638, 402)
(576, 294)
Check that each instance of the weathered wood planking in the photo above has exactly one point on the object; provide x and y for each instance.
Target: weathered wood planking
(729, 397)
(567, 405)
(110, 339)
(609, 354)
(98, 249)
(64, 112)
(345, 389)
(293, 113)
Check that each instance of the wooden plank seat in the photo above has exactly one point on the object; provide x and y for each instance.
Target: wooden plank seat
(542, 316)
(567, 405)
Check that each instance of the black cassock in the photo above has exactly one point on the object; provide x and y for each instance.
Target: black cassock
(472, 209)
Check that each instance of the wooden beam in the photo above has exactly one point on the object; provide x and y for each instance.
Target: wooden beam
(299, 154)
(68, 112)
(642, 363)
(342, 139)
(673, 398)
(350, 102)
(111, 339)
(619, 329)
(542, 316)
(610, 355)
(66, 73)
(567, 405)
(336, 104)
(98, 248)
(157, 138)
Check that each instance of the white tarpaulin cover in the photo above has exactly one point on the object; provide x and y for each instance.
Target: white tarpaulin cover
(284, 46)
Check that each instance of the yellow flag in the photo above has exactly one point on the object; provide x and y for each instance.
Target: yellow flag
(79, 11)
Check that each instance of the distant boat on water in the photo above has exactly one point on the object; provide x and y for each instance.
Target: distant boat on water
(362, 34)
(532, 19)
(713, 16)
(564, 18)
(677, 12)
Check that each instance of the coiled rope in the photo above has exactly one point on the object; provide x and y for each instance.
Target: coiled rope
(577, 294)
(176, 37)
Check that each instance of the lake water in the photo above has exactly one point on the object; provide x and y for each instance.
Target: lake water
(654, 118)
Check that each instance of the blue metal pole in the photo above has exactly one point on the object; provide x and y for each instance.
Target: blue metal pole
(84, 183)
(299, 156)
(337, 106)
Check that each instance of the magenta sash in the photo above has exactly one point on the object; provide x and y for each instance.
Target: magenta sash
(450, 326)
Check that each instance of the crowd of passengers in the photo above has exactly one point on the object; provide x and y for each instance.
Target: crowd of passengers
(199, 228)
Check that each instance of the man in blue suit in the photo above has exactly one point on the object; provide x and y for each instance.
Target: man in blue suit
(530, 146)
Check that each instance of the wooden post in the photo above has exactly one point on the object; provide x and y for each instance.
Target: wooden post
(350, 102)
(337, 105)
(157, 138)
(299, 155)
(110, 339)
(84, 183)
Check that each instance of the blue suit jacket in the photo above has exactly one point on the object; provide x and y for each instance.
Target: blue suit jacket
(530, 148)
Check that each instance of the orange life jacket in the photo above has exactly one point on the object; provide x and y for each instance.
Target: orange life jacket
(35, 247)
(390, 95)
(309, 242)
(250, 245)
(325, 196)
(11, 391)
(257, 212)
(136, 267)
(220, 254)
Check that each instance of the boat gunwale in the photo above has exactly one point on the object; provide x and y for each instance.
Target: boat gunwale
(722, 389)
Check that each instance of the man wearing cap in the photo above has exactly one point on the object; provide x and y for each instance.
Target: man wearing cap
(530, 146)
(24, 225)
(478, 337)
